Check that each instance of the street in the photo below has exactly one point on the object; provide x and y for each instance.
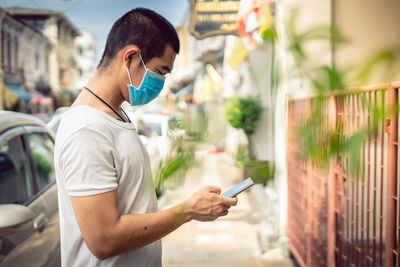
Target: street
(228, 241)
(149, 108)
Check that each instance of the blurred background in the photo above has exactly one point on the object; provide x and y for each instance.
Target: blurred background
(300, 96)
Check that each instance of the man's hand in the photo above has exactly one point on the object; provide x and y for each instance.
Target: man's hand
(108, 233)
(207, 204)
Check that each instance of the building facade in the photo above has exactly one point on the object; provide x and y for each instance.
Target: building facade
(86, 56)
(24, 57)
(62, 70)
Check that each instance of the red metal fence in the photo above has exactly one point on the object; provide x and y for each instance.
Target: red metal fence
(334, 218)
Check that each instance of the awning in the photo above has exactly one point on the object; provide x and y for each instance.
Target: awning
(25, 96)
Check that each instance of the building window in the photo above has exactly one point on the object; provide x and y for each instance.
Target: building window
(3, 51)
(16, 46)
(8, 53)
(40, 25)
(59, 30)
(37, 61)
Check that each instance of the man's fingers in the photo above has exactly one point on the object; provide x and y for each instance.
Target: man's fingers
(213, 189)
(230, 201)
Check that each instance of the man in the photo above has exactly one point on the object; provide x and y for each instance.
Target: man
(108, 208)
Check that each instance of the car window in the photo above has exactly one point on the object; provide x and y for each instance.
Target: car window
(15, 182)
(156, 127)
(42, 150)
(144, 129)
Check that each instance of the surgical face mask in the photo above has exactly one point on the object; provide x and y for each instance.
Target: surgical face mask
(150, 87)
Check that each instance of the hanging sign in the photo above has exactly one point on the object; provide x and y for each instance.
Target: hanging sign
(213, 17)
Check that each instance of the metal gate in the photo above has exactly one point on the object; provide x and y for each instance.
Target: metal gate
(334, 218)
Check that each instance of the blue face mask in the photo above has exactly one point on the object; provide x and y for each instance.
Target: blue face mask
(150, 87)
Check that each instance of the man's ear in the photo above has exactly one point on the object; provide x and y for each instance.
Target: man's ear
(130, 54)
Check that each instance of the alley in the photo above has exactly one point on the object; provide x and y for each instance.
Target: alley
(228, 241)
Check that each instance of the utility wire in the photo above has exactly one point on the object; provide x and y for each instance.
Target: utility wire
(74, 5)
(34, 3)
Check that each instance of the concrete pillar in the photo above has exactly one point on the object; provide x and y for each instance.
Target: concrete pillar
(51, 32)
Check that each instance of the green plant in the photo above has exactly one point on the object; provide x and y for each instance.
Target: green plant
(259, 171)
(176, 122)
(241, 155)
(244, 113)
(198, 127)
(174, 167)
(320, 143)
(385, 60)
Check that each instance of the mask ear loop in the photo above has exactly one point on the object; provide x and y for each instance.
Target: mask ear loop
(129, 75)
(142, 61)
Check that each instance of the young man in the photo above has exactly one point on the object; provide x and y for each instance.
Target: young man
(107, 204)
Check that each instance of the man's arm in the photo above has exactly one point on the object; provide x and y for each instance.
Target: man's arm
(107, 233)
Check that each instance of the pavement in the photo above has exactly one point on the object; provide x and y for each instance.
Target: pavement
(233, 240)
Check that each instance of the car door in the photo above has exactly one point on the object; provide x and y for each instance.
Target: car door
(39, 244)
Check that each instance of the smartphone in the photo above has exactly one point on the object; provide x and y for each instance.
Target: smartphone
(238, 188)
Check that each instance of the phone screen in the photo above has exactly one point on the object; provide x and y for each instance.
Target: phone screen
(239, 188)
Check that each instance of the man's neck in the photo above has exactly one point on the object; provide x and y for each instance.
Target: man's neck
(104, 85)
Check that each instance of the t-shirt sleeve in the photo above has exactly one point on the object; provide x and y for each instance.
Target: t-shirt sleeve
(87, 164)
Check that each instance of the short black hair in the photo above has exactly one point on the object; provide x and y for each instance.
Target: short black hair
(144, 28)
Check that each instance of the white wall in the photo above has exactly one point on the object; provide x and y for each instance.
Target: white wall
(259, 65)
(370, 26)
(311, 13)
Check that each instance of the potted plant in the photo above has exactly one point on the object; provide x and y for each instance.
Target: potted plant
(244, 113)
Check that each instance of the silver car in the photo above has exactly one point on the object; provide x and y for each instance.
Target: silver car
(29, 224)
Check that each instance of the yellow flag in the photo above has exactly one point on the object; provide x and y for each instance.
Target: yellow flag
(238, 54)
(266, 18)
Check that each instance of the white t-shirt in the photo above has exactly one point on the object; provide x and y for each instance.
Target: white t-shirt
(96, 153)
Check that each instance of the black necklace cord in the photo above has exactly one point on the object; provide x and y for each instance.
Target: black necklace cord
(98, 97)
(126, 115)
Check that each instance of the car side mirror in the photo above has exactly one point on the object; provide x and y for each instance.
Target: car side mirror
(14, 218)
